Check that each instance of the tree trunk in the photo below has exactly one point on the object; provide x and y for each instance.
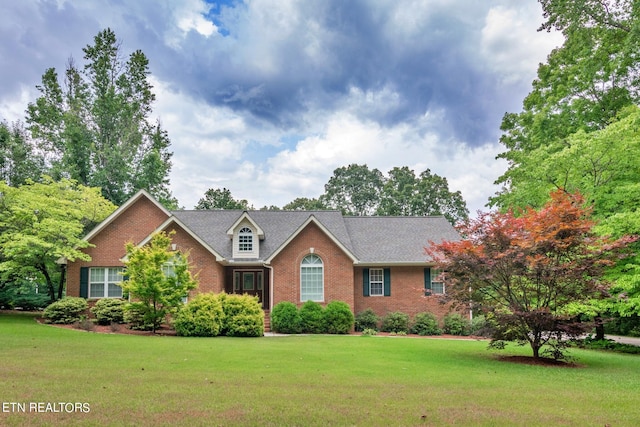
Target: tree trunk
(47, 278)
(599, 323)
(63, 272)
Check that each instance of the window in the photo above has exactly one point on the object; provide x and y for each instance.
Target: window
(245, 240)
(104, 282)
(376, 282)
(311, 279)
(434, 282)
(169, 270)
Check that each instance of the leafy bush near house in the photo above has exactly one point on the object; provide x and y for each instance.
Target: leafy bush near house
(338, 318)
(425, 324)
(243, 315)
(22, 294)
(285, 318)
(202, 316)
(312, 318)
(108, 311)
(136, 315)
(67, 310)
(366, 319)
(455, 324)
(395, 322)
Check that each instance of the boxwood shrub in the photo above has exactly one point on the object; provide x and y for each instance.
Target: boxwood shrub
(202, 316)
(285, 318)
(455, 324)
(366, 319)
(108, 311)
(396, 322)
(134, 315)
(67, 310)
(243, 315)
(425, 324)
(338, 318)
(312, 318)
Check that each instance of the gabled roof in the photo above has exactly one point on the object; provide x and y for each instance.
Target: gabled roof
(174, 220)
(381, 240)
(278, 226)
(312, 219)
(243, 217)
(123, 208)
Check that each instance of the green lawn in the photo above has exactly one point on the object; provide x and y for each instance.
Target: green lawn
(296, 380)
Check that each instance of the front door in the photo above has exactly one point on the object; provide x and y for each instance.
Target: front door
(249, 282)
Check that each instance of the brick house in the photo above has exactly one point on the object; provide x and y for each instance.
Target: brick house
(367, 262)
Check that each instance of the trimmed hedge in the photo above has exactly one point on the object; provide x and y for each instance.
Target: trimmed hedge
(425, 324)
(108, 311)
(396, 322)
(366, 319)
(285, 318)
(338, 318)
(202, 316)
(66, 311)
(455, 324)
(312, 318)
(243, 315)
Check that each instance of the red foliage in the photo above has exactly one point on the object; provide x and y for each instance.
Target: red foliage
(524, 269)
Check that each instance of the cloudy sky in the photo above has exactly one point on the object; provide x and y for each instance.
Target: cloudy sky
(267, 98)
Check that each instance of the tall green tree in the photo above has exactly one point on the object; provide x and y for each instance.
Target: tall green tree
(583, 85)
(354, 189)
(43, 222)
(406, 194)
(96, 128)
(304, 204)
(221, 199)
(19, 161)
(158, 278)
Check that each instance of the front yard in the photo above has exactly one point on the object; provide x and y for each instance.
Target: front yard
(298, 380)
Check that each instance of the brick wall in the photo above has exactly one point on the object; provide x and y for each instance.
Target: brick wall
(210, 274)
(338, 268)
(407, 295)
(133, 225)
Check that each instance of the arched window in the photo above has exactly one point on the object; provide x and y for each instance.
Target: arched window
(311, 278)
(245, 240)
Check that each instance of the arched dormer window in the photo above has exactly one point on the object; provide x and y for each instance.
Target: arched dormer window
(245, 240)
(311, 278)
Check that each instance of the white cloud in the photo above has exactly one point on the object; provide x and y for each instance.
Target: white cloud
(510, 43)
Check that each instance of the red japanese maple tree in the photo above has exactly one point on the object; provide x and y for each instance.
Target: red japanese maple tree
(522, 270)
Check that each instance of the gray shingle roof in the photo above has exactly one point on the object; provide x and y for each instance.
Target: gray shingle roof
(370, 239)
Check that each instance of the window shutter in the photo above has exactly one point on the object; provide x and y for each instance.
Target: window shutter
(84, 282)
(387, 282)
(427, 281)
(365, 282)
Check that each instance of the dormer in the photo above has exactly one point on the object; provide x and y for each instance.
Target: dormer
(246, 236)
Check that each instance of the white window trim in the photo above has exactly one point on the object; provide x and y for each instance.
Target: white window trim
(302, 266)
(105, 282)
(435, 274)
(381, 282)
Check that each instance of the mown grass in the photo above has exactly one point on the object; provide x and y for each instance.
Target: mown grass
(302, 380)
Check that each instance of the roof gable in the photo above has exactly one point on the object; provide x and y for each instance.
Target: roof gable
(245, 217)
(123, 208)
(314, 220)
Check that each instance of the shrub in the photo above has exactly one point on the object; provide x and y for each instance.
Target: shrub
(201, 317)
(312, 318)
(395, 322)
(135, 314)
(366, 319)
(285, 318)
(481, 327)
(338, 318)
(369, 332)
(22, 294)
(66, 311)
(108, 311)
(425, 324)
(243, 315)
(455, 324)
